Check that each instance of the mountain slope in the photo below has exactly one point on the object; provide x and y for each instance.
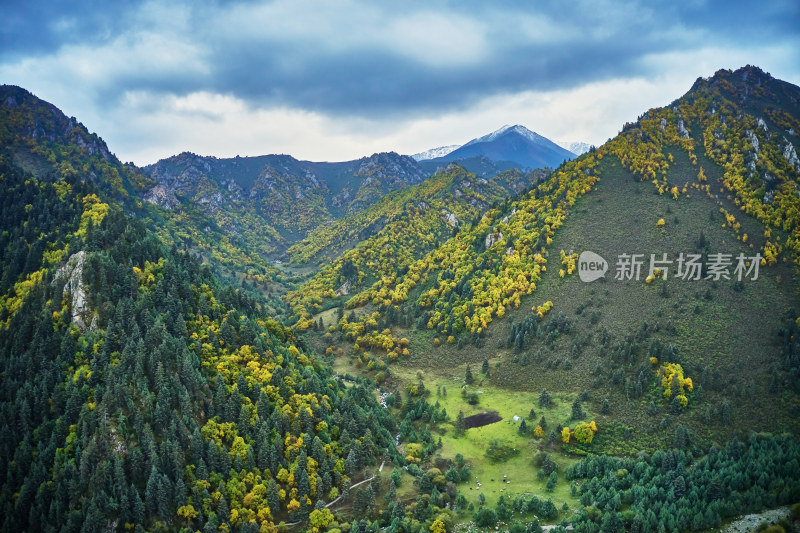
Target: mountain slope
(471, 192)
(479, 165)
(37, 138)
(714, 172)
(145, 392)
(394, 234)
(516, 144)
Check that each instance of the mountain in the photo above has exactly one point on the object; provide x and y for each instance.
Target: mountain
(577, 148)
(156, 374)
(434, 152)
(405, 225)
(714, 174)
(41, 140)
(512, 144)
(277, 192)
(145, 391)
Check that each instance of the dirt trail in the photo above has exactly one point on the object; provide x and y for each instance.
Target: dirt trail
(339, 498)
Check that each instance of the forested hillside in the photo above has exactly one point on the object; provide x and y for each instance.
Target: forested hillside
(39, 139)
(427, 358)
(138, 389)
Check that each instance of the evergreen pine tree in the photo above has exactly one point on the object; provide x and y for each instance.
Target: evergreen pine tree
(577, 410)
(545, 400)
(460, 425)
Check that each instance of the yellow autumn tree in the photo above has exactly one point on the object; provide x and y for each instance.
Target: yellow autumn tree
(239, 447)
(187, 512)
(438, 527)
(673, 381)
(584, 432)
(320, 518)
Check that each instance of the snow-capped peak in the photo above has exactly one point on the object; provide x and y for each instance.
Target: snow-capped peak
(521, 130)
(433, 153)
(576, 147)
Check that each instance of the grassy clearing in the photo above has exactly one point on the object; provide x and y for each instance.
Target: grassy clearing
(329, 317)
(520, 469)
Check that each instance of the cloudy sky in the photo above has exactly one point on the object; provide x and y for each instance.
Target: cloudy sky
(325, 80)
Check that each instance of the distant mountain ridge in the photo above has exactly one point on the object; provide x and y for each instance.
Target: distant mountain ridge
(292, 197)
(346, 180)
(508, 129)
(279, 191)
(576, 147)
(515, 145)
(435, 152)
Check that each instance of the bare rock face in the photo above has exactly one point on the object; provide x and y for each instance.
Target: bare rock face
(790, 155)
(344, 290)
(682, 129)
(753, 141)
(508, 217)
(450, 218)
(492, 238)
(343, 198)
(72, 272)
(162, 196)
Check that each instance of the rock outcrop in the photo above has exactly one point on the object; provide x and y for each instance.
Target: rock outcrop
(162, 196)
(75, 288)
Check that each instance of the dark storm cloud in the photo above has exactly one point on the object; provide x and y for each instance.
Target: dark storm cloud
(364, 59)
(367, 78)
(33, 27)
(742, 22)
(383, 81)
